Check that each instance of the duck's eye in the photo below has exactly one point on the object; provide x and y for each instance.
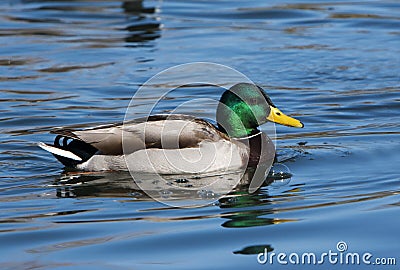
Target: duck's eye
(253, 101)
(278, 113)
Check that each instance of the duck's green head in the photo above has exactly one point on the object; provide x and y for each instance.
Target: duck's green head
(246, 106)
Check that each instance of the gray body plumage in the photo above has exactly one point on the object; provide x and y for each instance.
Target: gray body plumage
(172, 144)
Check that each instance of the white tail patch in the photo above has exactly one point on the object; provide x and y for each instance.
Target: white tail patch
(58, 151)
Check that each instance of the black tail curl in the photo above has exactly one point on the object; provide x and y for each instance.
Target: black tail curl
(79, 148)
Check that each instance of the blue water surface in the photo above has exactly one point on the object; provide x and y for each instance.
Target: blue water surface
(333, 64)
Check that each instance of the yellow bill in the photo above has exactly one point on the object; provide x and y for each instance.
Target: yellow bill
(276, 116)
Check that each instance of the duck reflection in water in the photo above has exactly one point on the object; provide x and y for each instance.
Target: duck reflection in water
(138, 23)
(145, 27)
(232, 186)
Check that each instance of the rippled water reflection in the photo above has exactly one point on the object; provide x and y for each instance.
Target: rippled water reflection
(334, 65)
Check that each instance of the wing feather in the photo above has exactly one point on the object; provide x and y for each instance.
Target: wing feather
(159, 131)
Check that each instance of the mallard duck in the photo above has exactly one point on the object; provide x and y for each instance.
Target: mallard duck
(178, 144)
